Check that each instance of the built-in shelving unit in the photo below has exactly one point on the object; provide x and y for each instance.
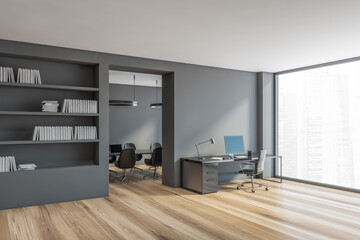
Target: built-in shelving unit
(24, 113)
(53, 87)
(20, 112)
(46, 142)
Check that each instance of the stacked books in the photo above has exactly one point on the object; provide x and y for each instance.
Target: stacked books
(7, 164)
(6, 74)
(29, 166)
(54, 133)
(79, 106)
(30, 76)
(85, 133)
(49, 106)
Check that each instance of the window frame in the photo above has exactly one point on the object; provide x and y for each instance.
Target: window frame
(276, 121)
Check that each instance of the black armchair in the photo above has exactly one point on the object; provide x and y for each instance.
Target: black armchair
(155, 161)
(126, 161)
(132, 146)
(154, 145)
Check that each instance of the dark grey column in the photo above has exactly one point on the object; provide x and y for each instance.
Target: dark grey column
(170, 171)
(266, 117)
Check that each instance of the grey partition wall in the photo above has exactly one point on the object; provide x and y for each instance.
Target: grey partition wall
(198, 103)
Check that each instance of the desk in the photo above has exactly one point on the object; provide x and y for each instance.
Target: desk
(201, 175)
(137, 151)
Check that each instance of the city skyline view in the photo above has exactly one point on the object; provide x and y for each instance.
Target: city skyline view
(319, 124)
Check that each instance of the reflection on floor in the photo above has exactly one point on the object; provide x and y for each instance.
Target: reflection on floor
(138, 173)
(146, 209)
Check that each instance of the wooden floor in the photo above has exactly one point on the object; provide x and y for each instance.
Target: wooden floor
(145, 209)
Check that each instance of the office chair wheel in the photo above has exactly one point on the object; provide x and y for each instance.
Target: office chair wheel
(238, 188)
(267, 189)
(253, 190)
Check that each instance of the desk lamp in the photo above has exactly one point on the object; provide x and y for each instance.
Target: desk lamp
(211, 140)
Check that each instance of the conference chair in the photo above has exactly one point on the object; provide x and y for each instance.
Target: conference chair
(256, 168)
(132, 146)
(155, 161)
(154, 145)
(126, 161)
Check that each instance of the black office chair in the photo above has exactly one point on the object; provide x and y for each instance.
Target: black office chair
(126, 161)
(112, 159)
(155, 161)
(154, 145)
(257, 167)
(132, 146)
(114, 148)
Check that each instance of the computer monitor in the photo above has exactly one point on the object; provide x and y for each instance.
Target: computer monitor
(115, 148)
(234, 144)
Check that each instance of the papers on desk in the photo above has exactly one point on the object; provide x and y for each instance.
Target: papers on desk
(217, 158)
(241, 157)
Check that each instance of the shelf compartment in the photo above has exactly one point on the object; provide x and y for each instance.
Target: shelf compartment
(29, 142)
(33, 113)
(53, 87)
(44, 168)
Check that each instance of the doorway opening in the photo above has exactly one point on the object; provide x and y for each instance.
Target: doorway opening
(135, 126)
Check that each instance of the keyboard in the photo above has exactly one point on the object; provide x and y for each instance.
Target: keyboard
(241, 157)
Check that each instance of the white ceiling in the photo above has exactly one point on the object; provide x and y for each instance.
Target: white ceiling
(141, 79)
(253, 35)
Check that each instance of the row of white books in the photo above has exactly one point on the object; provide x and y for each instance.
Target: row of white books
(79, 106)
(29, 166)
(7, 74)
(61, 133)
(85, 133)
(49, 106)
(7, 164)
(31, 76)
(52, 133)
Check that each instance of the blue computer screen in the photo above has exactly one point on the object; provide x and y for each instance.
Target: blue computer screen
(234, 144)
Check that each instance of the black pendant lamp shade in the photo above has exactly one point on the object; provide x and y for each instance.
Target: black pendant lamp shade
(157, 104)
(126, 103)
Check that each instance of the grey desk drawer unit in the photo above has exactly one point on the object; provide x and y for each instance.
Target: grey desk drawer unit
(200, 177)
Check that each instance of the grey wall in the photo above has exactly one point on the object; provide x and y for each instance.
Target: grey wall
(140, 125)
(214, 103)
(199, 102)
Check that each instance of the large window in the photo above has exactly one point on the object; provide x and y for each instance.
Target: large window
(319, 124)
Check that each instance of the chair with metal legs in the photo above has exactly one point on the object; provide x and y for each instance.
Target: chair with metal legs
(126, 161)
(155, 162)
(154, 145)
(257, 167)
(138, 157)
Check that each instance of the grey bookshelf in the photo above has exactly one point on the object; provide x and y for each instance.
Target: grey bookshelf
(66, 170)
(31, 113)
(29, 142)
(20, 112)
(47, 86)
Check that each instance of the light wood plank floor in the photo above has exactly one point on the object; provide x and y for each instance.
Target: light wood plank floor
(145, 209)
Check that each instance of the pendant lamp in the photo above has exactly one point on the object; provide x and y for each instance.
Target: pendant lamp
(157, 104)
(126, 103)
